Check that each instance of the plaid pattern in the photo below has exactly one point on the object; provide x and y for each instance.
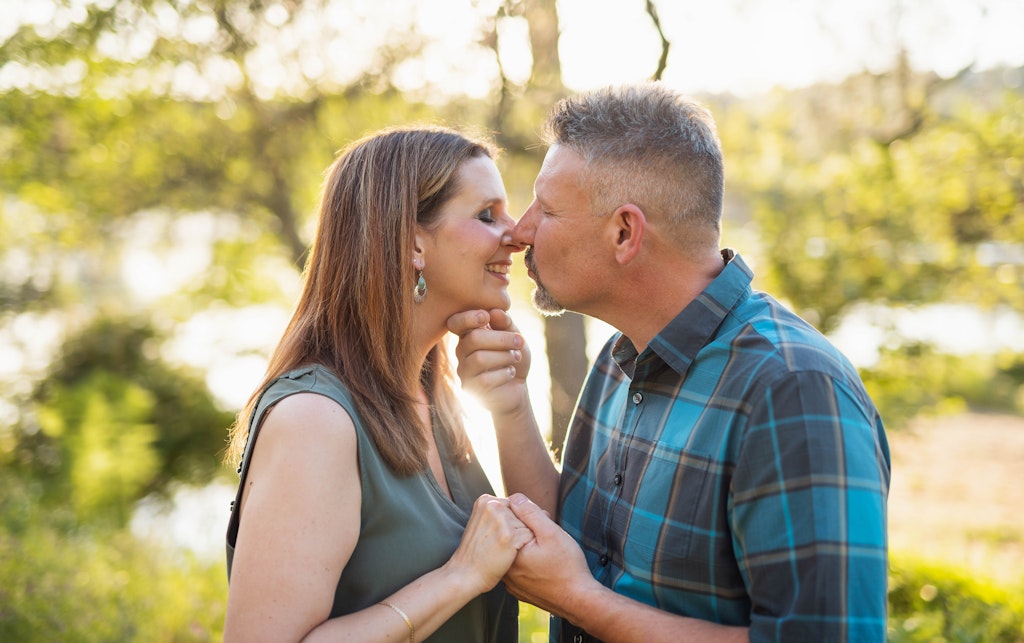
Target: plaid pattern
(736, 472)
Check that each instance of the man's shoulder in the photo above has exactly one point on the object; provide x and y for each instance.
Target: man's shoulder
(767, 336)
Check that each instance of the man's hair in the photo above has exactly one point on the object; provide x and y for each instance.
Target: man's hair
(651, 146)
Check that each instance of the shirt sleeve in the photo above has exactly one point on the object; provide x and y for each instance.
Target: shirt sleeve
(808, 512)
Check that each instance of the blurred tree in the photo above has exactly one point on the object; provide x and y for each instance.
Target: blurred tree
(135, 104)
(893, 189)
(113, 423)
(515, 119)
(129, 112)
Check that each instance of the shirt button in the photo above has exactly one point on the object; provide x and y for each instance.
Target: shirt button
(617, 479)
(578, 638)
(638, 398)
(603, 560)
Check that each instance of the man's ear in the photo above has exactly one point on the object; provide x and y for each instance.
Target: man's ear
(628, 225)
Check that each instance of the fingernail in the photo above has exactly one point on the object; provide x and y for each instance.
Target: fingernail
(517, 341)
(518, 499)
(512, 371)
(517, 355)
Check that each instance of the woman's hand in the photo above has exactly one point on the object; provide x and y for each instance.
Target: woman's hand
(490, 543)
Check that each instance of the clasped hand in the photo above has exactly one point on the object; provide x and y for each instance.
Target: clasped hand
(492, 538)
(516, 541)
(549, 568)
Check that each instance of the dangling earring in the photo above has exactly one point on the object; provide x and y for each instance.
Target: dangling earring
(420, 292)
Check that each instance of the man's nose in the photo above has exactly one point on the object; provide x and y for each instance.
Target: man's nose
(522, 234)
(509, 241)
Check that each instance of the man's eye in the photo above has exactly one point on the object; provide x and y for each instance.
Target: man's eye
(486, 216)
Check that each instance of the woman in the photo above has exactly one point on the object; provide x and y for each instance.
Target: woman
(362, 514)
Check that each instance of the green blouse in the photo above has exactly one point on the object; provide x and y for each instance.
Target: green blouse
(408, 524)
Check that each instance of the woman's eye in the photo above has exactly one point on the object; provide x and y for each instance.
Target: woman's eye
(486, 216)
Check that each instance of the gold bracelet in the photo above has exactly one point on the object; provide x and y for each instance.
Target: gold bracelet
(405, 617)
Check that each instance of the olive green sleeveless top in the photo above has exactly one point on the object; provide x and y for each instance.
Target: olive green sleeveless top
(408, 525)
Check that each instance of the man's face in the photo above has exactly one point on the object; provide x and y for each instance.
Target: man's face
(563, 234)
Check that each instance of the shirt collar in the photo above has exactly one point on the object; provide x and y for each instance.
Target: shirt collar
(680, 341)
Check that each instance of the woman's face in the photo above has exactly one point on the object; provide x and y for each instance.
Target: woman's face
(466, 257)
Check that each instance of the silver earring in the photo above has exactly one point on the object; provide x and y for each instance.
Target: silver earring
(420, 292)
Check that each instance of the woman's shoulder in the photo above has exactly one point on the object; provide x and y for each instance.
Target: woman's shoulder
(314, 379)
(310, 415)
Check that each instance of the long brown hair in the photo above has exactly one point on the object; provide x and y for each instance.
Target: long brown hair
(354, 315)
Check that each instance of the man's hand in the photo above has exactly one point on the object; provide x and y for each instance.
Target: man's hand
(493, 363)
(493, 359)
(550, 570)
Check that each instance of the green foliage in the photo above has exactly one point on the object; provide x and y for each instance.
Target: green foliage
(910, 380)
(148, 110)
(914, 379)
(533, 624)
(931, 602)
(102, 424)
(115, 423)
(852, 205)
(67, 583)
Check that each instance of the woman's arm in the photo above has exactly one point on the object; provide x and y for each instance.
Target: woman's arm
(300, 523)
(492, 538)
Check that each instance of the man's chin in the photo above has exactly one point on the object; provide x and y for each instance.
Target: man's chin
(545, 304)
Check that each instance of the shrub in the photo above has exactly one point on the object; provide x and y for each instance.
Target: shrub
(61, 582)
(931, 602)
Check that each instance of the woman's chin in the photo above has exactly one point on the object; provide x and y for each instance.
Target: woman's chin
(504, 302)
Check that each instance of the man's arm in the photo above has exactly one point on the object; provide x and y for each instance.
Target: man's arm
(494, 361)
(551, 572)
(808, 512)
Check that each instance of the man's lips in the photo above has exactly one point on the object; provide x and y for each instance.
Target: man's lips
(531, 264)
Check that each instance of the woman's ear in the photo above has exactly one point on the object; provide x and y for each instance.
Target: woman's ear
(419, 243)
(628, 225)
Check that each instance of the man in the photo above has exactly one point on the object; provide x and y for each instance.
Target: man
(724, 466)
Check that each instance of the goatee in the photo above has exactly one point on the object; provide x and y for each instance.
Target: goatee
(543, 301)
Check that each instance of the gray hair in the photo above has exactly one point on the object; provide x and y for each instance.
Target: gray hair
(651, 146)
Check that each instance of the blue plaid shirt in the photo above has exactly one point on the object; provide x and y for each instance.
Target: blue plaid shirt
(735, 471)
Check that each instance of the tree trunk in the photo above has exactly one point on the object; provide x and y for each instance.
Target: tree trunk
(567, 365)
(565, 337)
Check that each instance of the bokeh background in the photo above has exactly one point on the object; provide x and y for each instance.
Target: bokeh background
(159, 167)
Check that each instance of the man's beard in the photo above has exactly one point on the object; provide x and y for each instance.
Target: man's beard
(543, 300)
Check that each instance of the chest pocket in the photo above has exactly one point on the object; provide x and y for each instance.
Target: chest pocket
(663, 516)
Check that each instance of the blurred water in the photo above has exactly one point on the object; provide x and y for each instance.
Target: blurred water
(959, 329)
(196, 519)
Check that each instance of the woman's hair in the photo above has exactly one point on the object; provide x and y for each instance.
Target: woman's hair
(648, 145)
(354, 315)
